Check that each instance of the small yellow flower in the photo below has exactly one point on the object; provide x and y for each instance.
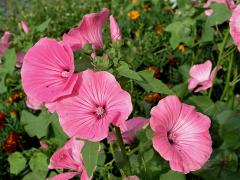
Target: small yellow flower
(134, 1)
(133, 15)
(159, 29)
(181, 48)
(137, 33)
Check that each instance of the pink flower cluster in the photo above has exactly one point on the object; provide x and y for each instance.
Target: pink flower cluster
(88, 102)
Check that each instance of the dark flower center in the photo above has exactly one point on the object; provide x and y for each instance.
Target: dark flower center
(171, 137)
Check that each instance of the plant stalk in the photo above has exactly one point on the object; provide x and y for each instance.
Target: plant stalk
(226, 88)
(219, 61)
(122, 147)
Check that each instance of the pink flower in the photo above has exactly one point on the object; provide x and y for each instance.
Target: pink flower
(4, 43)
(133, 125)
(20, 56)
(47, 71)
(235, 26)
(74, 39)
(24, 26)
(131, 178)
(43, 144)
(88, 31)
(115, 30)
(33, 104)
(100, 102)
(201, 75)
(69, 157)
(229, 3)
(181, 135)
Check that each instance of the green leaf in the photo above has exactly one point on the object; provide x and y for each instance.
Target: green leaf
(221, 13)
(3, 88)
(150, 83)
(59, 137)
(207, 34)
(90, 154)
(35, 176)
(170, 175)
(43, 26)
(182, 32)
(37, 125)
(39, 162)
(123, 70)
(203, 103)
(10, 60)
(229, 122)
(180, 89)
(148, 155)
(17, 163)
(184, 71)
(183, 3)
(222, 165)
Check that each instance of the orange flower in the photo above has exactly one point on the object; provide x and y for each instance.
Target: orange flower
(155, 70)
(152, 97)
(181, 48)
(12, 142)
(159, 29)
(133, 15)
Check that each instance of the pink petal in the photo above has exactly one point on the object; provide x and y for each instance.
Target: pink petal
(47, 71)
(163, 115)
(24, 26)
(91, 27)
(75, 147)
(187, 143)
(69, 156)
(131, 178)
(100, 101)
(84, 175)
(65, 176)
(201, 72)
(192, 83)
(235, 26)
(43, 144)
(133, 125)
(201, 75)
(208, 12)
(62, 159)
(5, 39)
(4, 43)
(33, 104)
(20, 57)
(74, 39)
(114, 30)
(204, 85)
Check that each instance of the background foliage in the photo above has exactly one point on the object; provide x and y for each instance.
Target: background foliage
(169, 39)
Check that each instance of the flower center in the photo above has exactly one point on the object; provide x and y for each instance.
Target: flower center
(65, 74)
(100, 111)
(171, 137)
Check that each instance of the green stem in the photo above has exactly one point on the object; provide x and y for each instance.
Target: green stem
(122, 147)
(226, 88)
(219, 60)
(112, 150)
